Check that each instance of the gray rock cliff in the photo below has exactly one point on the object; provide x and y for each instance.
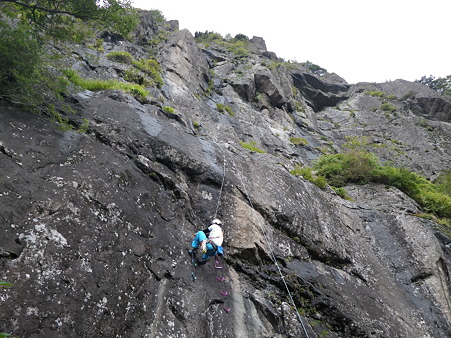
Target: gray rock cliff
(95, 227)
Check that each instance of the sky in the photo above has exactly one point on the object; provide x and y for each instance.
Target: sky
(361, 41)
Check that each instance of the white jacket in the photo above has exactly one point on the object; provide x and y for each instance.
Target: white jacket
(216, 234)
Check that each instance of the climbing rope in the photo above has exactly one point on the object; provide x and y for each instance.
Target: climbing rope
(222, 185)
(273, 258)
(265, 235)
(219, 276)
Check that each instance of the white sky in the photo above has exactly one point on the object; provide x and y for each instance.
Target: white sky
(362, 41)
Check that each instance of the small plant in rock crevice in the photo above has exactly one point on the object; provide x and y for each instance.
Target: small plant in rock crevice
(169, 110)
(150, 67)
(196, 126)
(342, 193)
(252, 146)
(298, 141)
(120, 56)
(221, 107)
(375, 93)
(387, 107)
(136, 90)
(311, 176)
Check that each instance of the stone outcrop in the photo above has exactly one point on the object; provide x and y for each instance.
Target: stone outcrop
(95, 227)
(318, 92)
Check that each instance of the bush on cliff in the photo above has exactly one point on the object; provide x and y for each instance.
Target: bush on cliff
(136, 90)
(362, 167)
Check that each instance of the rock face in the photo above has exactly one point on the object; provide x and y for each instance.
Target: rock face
(95, 227)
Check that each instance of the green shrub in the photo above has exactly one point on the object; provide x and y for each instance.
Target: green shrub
(305, 172)
(442, 84)
(62, 17)
(361, 167)
(124, 22)
(120, 56)
(387, 107)
(207, 37)
(169, 110)
(252, 146)
(133, 75)
(298, 141)
(238, 45)
(357, 142)
(97, 45)
(240, 51)
(196, 126)
(157, 15)
(348, 167)
(435, 202)
(308, 174)
(95, 85)
(315, 69)
(220, 107)
(240, 48)
(158, 38)
(229, 110)
(152, 68)
(241, 37)
(320, 181)
(375, 93)
(342, 193)
(443, 182)
(21, 66)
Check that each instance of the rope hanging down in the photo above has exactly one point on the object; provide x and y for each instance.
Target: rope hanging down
(273, 258)
(219, 276)
(222, 186)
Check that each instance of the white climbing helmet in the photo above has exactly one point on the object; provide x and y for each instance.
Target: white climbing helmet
(216, 221)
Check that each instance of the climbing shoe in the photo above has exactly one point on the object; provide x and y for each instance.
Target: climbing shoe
(193, 252)
(201, 261)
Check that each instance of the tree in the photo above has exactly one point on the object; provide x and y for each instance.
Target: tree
(117, 15)
(26, 75)
(241, 37)
(441, 84)
(315, 69)
(44, 11)
(20, 63)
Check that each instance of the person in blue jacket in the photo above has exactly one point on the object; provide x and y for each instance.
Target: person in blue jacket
(209, 241)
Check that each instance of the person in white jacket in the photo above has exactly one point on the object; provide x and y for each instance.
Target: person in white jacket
(209, 241)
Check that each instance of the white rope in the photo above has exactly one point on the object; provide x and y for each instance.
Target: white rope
(273, 257)
(222, 185)
(223, 173)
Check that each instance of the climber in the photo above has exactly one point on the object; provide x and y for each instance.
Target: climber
(209, 241)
